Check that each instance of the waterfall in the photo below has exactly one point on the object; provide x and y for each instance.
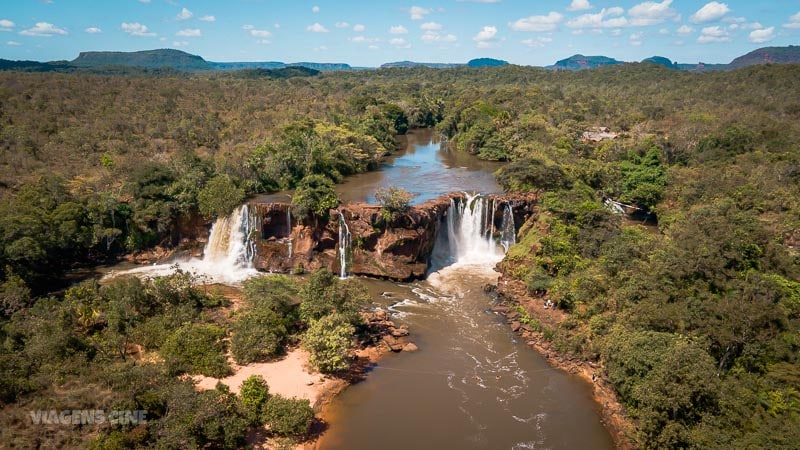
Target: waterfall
(509, 232)
(231, 246)
(227, 257)
(344, 245)
(289, 229)
(469, 236)
(470, 228)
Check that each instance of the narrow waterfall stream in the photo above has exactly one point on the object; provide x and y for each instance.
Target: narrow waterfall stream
(344, 246)
(472, 384)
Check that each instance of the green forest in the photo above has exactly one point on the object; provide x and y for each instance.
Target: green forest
(693, 315)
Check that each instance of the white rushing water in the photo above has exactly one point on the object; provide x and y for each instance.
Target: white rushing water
(470, 226)
(344, 245)
(509, 231)
(227, 257)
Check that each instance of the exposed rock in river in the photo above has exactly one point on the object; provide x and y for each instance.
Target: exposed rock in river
(399, 249)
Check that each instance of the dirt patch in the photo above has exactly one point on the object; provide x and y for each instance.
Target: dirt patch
(512, 292)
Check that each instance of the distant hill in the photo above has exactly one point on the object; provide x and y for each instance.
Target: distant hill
(247, 65)
(34, 66)
(322, 67)
(486, 62)
(580, 62)
(701, 67)
(164, 57)
(419, 64)
(660, 60)
(170, 61)
(286, 72)
(790, 54)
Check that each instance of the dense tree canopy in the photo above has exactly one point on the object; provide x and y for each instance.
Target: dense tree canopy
(693, 316)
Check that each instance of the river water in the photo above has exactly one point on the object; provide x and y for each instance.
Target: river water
(472, 384)
(422, 166)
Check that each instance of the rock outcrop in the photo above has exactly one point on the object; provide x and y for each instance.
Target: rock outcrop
(398, 249)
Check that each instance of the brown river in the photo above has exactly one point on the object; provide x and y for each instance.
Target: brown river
(472, 384)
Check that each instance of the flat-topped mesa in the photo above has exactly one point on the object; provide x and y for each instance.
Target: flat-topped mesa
(399, 249)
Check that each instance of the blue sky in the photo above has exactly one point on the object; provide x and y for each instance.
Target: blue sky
(371, 32)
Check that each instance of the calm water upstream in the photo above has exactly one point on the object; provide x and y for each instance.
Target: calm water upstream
(421, 167)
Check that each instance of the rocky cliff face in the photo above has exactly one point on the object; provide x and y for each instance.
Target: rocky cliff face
(399, 249)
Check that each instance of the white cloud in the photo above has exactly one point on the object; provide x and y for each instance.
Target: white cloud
(713, 34)
(264, 41)
(433, 36)
(537, 42)
(752, 26)
(400, 43)
(180, 43)
(432, 26)
(259, 33)
(606, 18)
(537, 23)
(363, 39)
(418, 12)
(13, 43)
(685, 30)
(315, 9)
(6, 25)
(373, 47)
(184, 14)
(487, 33)
(189, 32)
(144, 1)
(710, 12)
(208, 18)
(734, 20)
(43, 29)
(93, 30)
(342, 25)
(616, 32)
(761, 36)
(247, 26)
(317, 28)
(358, 28)
(399, 29)
(136, 29)
(479, 1)
(321, 48)
(579, 5)
(487, 37)
(794, 21)
(651, 13)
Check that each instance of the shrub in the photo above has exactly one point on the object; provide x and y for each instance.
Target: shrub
(394, 201)
(253, 396)
(329, 340)
(196, 348)
(289, 416)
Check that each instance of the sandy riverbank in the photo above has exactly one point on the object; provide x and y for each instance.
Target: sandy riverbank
(614, 417)
(289, 377)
